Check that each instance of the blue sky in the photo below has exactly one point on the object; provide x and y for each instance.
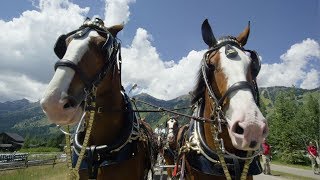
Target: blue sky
(283, 32)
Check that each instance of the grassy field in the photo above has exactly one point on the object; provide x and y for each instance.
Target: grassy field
(47, 172)
(59, 171)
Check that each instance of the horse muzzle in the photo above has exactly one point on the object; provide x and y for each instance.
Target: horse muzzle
(248, 135)
(61, 109)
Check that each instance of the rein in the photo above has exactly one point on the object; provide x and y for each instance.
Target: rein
(90, 103)
(173, 111)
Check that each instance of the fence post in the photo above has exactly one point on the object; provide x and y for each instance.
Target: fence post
(26, 161)
(54, 161)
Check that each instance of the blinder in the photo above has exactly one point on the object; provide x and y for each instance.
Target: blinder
(255, 63)
(60, 46)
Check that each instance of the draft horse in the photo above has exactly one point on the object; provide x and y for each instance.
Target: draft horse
(226, 142)
(174, 140)
(110, 142)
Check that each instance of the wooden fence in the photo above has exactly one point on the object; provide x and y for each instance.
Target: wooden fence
(25, 160)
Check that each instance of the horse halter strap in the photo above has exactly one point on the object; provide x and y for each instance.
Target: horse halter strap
(110, 49)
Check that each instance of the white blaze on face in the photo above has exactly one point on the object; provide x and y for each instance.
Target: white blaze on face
(170, 125)
(242, 111)
(235, 70)
(53, 100)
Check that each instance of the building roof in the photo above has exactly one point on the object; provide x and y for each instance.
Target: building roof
(5, 145)
(14, 136)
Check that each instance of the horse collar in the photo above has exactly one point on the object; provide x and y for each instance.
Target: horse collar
(114, 153)
(203, 159)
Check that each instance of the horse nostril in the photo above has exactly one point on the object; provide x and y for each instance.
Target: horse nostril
(253, 144)
(67, 105)
(70, 103)
(238, 129)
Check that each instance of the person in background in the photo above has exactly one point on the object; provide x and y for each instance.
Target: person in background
(266, 157)
(157, 130)
(163, 130)
(314, 157)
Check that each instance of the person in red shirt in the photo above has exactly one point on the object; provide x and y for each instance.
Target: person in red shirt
(266, 157)
(314, 157)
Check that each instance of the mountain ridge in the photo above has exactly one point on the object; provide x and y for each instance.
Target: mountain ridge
(27, 118)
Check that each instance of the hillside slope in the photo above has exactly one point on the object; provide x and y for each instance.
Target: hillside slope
(25, 117)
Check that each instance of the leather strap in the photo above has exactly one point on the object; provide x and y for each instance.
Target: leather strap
(72, 65)
(236, 86)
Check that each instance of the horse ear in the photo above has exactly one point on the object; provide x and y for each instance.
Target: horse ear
(207, 34)
(115, 29)
(243, 37)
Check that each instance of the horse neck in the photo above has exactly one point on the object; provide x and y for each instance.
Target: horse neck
(207, 128)
(108, 124)
(173, 145)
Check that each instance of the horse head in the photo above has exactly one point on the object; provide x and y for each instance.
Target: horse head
(172, 129)
(227, 85)
(87, 57)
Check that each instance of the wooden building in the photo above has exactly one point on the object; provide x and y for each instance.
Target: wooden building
(10, 141)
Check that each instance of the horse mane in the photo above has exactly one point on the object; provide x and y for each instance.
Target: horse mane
(200, 86)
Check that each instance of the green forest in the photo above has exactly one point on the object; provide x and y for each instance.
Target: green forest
(294, 120)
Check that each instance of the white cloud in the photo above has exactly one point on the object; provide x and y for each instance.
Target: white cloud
(27, 41)
(312, 80)
(117, 11)
(27, 46)
(18, 86)
(293, 68)
(27, 56)
(161, 79)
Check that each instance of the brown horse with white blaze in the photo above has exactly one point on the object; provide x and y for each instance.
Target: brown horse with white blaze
(227, 144)
(89, 70)
(170, 150)
(174, 140)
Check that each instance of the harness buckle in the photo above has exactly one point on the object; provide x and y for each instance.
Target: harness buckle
(222, 145)
(99, 110)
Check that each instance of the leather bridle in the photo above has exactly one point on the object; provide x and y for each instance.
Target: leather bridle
(110, 50)
(217, 114)
(236, 86)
